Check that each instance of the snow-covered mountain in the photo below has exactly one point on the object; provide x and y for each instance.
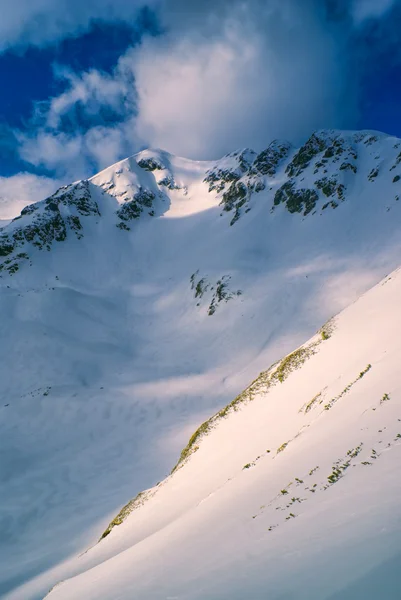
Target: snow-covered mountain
(139, 302)
(291, 491)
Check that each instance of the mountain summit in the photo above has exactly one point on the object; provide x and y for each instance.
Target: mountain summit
(329, 168)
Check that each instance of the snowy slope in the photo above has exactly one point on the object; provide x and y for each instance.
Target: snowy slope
(139, 302)
(293, 492)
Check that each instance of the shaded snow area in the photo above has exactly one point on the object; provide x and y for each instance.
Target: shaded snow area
(140, 302)
(294, 491)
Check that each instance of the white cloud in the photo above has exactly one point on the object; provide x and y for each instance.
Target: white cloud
(224, 75)
(22, 189)
(42, 22)
(370, 9)
(78, 153)
(50, 149)
(107, 145)
(266, 71)
(91, 90)
(74, 156)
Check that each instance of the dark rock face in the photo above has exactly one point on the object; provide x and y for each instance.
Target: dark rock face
(330, 155)
(132, 209)
(314, 146)
(268, 161)
(315, 177)
(47, 222)
(150, 164)
(296, 200)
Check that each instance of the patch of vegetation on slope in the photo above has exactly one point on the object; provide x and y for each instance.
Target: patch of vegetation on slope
(136, 502)
(333, 401)
(301, 489)
(276, 374)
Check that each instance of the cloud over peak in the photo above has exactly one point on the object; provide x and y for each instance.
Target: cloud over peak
(220, 75)
(268, 70)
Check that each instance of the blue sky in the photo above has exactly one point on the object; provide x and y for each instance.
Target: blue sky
(87, 83)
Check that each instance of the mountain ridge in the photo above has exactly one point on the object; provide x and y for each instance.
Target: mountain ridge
(235, 179)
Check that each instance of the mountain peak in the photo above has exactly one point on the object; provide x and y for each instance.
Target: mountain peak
(323, 173)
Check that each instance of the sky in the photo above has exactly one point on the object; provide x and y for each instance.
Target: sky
(84, 84)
